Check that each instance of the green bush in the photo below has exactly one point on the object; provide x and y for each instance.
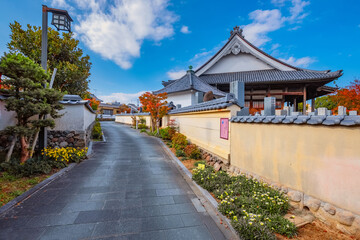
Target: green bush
(192, 151)
(167, 133)
(142, 126)
(179, 141)
(255, 208)
(31, 167)
(142, 120)
(180, 153)
(96, 131)
(143, 130)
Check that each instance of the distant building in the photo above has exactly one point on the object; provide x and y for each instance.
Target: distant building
(262, 74)
(108, 109)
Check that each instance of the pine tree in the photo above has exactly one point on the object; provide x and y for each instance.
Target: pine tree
(26, 96)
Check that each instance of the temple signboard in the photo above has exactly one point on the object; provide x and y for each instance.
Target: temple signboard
(224, 128)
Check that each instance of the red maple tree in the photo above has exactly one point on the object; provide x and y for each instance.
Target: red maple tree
(349, 96)
(155, 104)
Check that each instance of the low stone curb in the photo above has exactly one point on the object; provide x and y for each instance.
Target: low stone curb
(186, 173)
(35, 189)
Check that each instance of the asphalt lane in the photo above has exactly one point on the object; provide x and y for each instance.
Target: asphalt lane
(127, 189)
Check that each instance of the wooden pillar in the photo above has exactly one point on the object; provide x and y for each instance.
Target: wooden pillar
(295, 105)
(251, 98)
(283, 98)
(313, 105)
(304, 100)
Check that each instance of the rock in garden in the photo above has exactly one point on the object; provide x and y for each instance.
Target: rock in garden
(208, 158)
(329, 208)
(312, 203)
(70, 140)
(345, 217)
(70, 135)
(63, 144)
(54, 139)
(217, 167)
(295, 196)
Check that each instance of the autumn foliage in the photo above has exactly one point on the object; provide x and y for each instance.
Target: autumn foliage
(349, 96)
(94, 104)
(155, 104)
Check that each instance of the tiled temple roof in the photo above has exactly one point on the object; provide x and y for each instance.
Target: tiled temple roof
(270, 76)
(219, 103)
(188, 82)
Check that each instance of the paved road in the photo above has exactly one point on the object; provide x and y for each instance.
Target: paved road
(128, 189)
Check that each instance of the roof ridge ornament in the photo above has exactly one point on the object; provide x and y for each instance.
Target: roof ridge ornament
(236, 30)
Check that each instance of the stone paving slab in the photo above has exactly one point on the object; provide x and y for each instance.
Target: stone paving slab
(127, 189)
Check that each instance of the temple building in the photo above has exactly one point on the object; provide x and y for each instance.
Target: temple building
(262, 74)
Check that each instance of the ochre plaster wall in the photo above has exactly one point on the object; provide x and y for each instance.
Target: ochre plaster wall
(126, 119)
(321, 161)
(203, 129)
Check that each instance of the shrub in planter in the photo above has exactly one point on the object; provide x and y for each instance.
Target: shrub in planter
(192, 151)
(179, 141)
(180, 153)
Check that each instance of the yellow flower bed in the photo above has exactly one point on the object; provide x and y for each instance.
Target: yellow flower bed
(67, 155)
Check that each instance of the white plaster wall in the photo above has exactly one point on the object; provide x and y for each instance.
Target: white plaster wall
(183, 98)
(238, 63)
(73, 119)
(89, 117)
(6, 118)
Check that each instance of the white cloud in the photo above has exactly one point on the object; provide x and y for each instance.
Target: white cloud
(117, 29)
(297, 10)
(172, 74)
(59, 3)
(185, 30)
(266, 21)
(294, 28)
(122, 97)
(275, 46)
(299, 62)
(279, 3)
(263, 22)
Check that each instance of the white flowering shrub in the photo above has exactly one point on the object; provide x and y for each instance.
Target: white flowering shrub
(256, 209)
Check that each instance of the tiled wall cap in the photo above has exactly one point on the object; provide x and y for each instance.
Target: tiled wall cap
(315, 120)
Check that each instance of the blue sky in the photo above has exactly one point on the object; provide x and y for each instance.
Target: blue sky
(136, 44)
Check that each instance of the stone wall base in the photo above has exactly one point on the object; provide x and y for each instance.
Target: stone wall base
(343, 220)
(76, 139)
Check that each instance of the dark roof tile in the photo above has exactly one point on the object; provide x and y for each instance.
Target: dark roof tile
(269, 76)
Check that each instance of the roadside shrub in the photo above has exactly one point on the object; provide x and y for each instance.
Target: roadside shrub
(143, 130)
(142, 120)
(199, 162)
(167, 133)
(96, 131)
(179, 141)
(33, 166)
(142, 126)
(180, 153)
(66, 155)
(256, 209)
(192, 151)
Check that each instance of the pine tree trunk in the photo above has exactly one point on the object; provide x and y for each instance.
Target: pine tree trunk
(34, 143)
(24, 149)
(11, 149)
